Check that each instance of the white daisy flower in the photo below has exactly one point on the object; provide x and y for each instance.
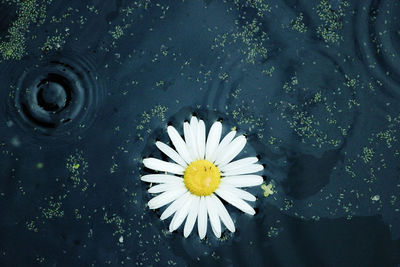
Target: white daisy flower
(202, 173)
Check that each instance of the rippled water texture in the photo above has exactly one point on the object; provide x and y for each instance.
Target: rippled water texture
(87, 88)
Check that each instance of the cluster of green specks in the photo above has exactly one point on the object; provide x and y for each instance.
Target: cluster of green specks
(298, 24)
(247, 120)
(314, 116)
(31, 226)
(260, 6)
(117, 32)
(130, 17)
(13, 45)
(118, 222)
(53, 209)
(55, 42)
(332, 20)
(388, 136)
(367, 154)
(54, 31)
(274, 230)
(248, 38)
(251, 39)
(365, 164)
(61, 206)
(57, 38)
(381, 153)
(364, 172)
(77, 167)
(157, 112)
(322, 117)
(55, 206)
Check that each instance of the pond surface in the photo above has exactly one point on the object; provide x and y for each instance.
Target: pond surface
(88, 87)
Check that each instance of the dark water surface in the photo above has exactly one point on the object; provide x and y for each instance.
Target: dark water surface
(88, 86)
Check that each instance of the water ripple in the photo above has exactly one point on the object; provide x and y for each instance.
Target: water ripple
(56, 98)
(378, 38)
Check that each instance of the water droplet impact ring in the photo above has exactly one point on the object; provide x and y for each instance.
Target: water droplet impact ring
(57, 97)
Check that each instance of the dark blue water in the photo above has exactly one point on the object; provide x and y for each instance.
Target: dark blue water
(87, 87)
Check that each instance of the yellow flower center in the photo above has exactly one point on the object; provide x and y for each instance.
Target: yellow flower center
(202, 177)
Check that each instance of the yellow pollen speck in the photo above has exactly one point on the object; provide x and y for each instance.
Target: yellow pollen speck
(75, 166)
(202, 177)
(268, 189)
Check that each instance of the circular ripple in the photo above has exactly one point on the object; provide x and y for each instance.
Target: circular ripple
(57, 98)
(379, 42)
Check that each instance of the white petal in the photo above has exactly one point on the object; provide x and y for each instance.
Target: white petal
(194, 125)
(161, 178)
(191, 219)
(190, 140)
(164, 166)
(231, 151)
(243, 180)
(224, 143)
(202, 218)
(223, 213)
(166, 197)
(163, 187)
(237, 192)
(194, 122)
(177, 204)
(213, 215)
(201, 139)
(237, 164)
(235, 201)
(180, 215)
(179, 144)
(167, 150)
(213, 139)
(252, 168)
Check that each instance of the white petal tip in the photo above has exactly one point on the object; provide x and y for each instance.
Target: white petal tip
(170, 129)
(147, 163)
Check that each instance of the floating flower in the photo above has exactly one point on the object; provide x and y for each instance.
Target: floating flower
(203, 173)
